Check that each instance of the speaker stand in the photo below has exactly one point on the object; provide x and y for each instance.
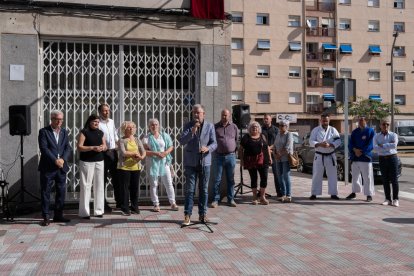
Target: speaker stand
(22, 184)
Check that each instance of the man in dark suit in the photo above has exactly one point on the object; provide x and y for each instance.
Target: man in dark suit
(53, 166)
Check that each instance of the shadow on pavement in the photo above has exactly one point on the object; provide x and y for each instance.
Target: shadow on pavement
(400, 220)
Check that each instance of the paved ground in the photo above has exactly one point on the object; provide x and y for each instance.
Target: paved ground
(322, 237)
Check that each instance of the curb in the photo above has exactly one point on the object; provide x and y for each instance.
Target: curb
(408, 165)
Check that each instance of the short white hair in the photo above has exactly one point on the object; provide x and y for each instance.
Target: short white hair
(284, 122)
(198, 106)
(254, 124)
(55, 113)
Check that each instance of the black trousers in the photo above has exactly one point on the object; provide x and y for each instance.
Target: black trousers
(389, 172)
(263, 172)
(129, 184)
(110, 169)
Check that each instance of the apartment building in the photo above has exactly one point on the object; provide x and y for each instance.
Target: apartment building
(286, 55)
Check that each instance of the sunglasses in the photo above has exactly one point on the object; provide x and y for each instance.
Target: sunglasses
(385, 124)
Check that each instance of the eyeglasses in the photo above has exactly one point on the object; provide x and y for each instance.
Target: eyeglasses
(57, 119)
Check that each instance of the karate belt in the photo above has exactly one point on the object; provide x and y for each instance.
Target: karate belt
(326, 154)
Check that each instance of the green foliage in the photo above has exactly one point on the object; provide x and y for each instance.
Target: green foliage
(373, 110)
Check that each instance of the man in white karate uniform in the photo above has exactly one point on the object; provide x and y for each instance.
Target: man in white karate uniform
(325, 139)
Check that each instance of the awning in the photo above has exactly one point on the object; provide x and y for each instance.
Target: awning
(295, 46)
(345, 49)
(328, 97)
(328, 69)
(375, 98)
(374, 49)
(328, 46)
(263, 45)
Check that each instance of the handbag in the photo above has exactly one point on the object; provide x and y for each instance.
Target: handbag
(293, 159)
(253, 161)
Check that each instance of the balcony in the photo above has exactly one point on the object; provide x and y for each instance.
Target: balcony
(320, 31)
(314, 108)
(320, 6)
(319, 82)
(321, 56)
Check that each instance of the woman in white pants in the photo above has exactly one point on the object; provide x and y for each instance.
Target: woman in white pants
(91, 145)
(159, 147)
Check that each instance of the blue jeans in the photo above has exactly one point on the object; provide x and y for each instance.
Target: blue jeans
(283, 174)
(276, 178)
(191, 175)
(228, 162)
(389, 172)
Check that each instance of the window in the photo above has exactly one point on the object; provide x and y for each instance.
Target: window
(399, 99)
(295, 46)
(373, 75)
(263, 44)
(344, 2)
(237, 96)
(294, 71)
(373, 25)
(294, 21)
(399, 51)
(344, 24)
(263, 71)
(375, 97)
(399, 27)
(345, 73)
(312, 99)
(237, 17)
(399, 4)
(237, 43)
(374, 3)
(237, 70)
(262, 19)
(295, 98)
(263, 97)
(399, 75)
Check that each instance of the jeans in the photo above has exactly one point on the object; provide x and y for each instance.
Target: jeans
(283, 174)
(191, 175)
(276, 178)
(263, 172)
(389, 171)
(228, 163)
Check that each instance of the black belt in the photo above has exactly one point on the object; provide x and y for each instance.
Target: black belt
(387, 156)
(324, 154)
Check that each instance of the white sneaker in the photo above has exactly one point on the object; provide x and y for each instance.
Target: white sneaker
(396, 203)
(387, 202)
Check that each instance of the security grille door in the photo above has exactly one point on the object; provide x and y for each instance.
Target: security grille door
(138, 81)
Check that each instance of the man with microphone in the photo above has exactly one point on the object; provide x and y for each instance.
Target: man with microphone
(199, 141)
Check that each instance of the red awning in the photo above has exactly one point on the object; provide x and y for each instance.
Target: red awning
(207, 9)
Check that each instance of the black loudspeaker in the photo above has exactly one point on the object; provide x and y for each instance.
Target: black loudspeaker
(241, 115)
(19, 120)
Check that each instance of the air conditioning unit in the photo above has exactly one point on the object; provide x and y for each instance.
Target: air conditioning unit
(327, 104)
(326, 56)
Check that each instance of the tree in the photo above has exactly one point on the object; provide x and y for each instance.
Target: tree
(371, 109)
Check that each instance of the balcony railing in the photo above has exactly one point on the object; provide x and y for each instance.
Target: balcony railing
(320, 82)
(320, 56)
(314, 108)
(320, 6)
(320, 31)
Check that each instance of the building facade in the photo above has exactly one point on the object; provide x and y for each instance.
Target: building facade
(144, 58)
(287, 54)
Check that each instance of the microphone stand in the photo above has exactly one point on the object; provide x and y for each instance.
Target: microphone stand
(200, 176)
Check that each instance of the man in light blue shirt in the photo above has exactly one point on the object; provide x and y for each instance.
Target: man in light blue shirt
(385, 143)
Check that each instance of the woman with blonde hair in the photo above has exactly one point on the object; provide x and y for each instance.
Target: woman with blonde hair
(131, 152)
(159, 146)
(255, 155)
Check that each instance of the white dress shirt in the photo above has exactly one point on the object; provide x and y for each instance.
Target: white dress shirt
(110, 132)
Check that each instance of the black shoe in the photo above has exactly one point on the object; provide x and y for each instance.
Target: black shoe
(334, 197)
(45, 222)
(125, 213)
(369, 198)
(87, 217)
(107, 208)
(312, 197)
(134, 210)
(61, 219)
(203, 218)
(351, 196)
(99, 216)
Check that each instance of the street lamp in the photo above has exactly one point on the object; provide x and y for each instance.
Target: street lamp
(395, 35)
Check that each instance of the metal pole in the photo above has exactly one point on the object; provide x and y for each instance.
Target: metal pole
(395, 35)
(346, 123)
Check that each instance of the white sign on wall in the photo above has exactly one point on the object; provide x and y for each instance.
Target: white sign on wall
(211, 78)
(16, 72)
(292, 118)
